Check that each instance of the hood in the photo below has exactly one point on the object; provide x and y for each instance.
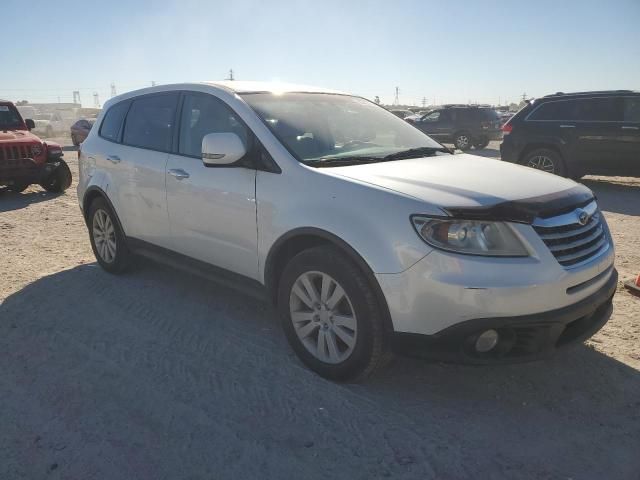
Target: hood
(468, 183)
(18, 136)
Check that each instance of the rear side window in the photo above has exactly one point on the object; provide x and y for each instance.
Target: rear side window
(560, 110)
(150, 122)
(606, 109)
(113, 121)
(632, 109)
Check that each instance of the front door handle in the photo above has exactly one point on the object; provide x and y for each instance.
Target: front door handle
(178, 173)
(114, 158)
(567, 126)
(630, 128)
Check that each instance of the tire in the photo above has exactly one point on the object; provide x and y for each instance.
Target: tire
(462, 141)
(547, 160)
(353, 342)
(18, 187)
(59, 179)
(479, 145)
(112, 253)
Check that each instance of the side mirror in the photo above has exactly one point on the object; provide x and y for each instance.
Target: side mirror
(30, 124)
(222, 149)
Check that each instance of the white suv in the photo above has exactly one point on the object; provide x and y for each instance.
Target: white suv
(366, 233)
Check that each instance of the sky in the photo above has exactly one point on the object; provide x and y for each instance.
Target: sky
(444, 52)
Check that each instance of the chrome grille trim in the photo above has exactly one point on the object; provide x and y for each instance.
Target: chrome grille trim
(573, 243)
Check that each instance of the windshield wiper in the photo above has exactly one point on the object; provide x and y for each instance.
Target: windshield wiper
(415, 153)
(341, 161)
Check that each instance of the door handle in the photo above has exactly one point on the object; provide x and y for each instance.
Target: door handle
(567, 126)
(114, 158)
(630, 128)
(178, 173)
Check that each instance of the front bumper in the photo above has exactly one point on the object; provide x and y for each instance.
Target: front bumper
(521, 338)
(24, 171)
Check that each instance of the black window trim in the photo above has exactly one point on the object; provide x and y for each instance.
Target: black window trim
(622, 97)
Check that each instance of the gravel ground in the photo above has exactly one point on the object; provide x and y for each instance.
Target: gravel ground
(161, 375)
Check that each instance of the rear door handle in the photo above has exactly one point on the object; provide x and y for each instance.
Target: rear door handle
(567, 126)
(178, 173)
(630, 128)
(114, 158)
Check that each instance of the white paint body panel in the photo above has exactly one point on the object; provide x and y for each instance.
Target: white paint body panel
(232, 217)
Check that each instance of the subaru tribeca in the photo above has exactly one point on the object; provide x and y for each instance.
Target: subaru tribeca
(367, 235)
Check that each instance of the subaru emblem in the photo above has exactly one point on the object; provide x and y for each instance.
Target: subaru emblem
(583, 217)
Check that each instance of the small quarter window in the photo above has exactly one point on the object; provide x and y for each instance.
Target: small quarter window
(113, 121)
(557, 110)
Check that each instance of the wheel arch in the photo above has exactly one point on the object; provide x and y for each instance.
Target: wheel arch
(300, 239)
(90, 195)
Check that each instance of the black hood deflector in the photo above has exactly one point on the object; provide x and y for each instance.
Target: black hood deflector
(527, 209)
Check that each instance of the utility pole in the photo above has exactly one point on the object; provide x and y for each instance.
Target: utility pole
(396, 100)
(76, 97)
(96, 100)
(113, 90)
(230, 75)
(153, 83)
(524, 97)
(424, 102)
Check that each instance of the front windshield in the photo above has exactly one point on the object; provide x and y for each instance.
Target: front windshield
(320, 126)
(9, 118)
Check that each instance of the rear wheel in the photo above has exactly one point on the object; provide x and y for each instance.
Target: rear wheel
(59, 179)
(107, 239)
(546, 160)
(330, 315)
(462, 141)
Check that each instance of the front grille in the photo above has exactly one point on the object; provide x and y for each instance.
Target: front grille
(14, 152)
(570, 241)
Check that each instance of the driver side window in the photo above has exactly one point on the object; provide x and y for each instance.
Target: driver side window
(203, 114)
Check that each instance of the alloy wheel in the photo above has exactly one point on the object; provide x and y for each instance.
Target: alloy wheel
(323, 317)
(462, 142)
(542, 162)
(104, 236)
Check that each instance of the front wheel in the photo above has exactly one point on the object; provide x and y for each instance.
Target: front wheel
(107, 239)
(462, 141)
(480, 144)
(330, 315)
(546, 160)
(59, 179)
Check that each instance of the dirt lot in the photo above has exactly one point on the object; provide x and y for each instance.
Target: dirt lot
(162, 375)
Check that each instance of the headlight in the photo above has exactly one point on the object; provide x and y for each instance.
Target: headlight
(36, 150)
(472, 237)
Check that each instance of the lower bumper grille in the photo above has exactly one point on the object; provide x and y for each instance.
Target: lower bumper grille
(575, 237)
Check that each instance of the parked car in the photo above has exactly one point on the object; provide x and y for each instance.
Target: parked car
(401, 113)
(463, 125)
(25, 159)
(365, 233)
(49, 124)
(80, 130)
(574, 134)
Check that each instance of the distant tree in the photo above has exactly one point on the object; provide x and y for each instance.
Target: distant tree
(22, 102)
(377, 100)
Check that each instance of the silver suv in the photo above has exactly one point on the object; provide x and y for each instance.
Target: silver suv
(366, 234)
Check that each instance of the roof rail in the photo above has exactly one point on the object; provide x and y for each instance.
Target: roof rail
(590, 92)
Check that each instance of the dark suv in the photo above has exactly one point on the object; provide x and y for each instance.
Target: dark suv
(463, 125)
(574, 134)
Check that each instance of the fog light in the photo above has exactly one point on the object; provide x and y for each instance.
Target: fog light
(486, 341)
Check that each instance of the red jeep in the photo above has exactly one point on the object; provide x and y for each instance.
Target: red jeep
(25, 159)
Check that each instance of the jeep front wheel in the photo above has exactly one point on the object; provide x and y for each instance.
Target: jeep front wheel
(59, 179)
(462, 141)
